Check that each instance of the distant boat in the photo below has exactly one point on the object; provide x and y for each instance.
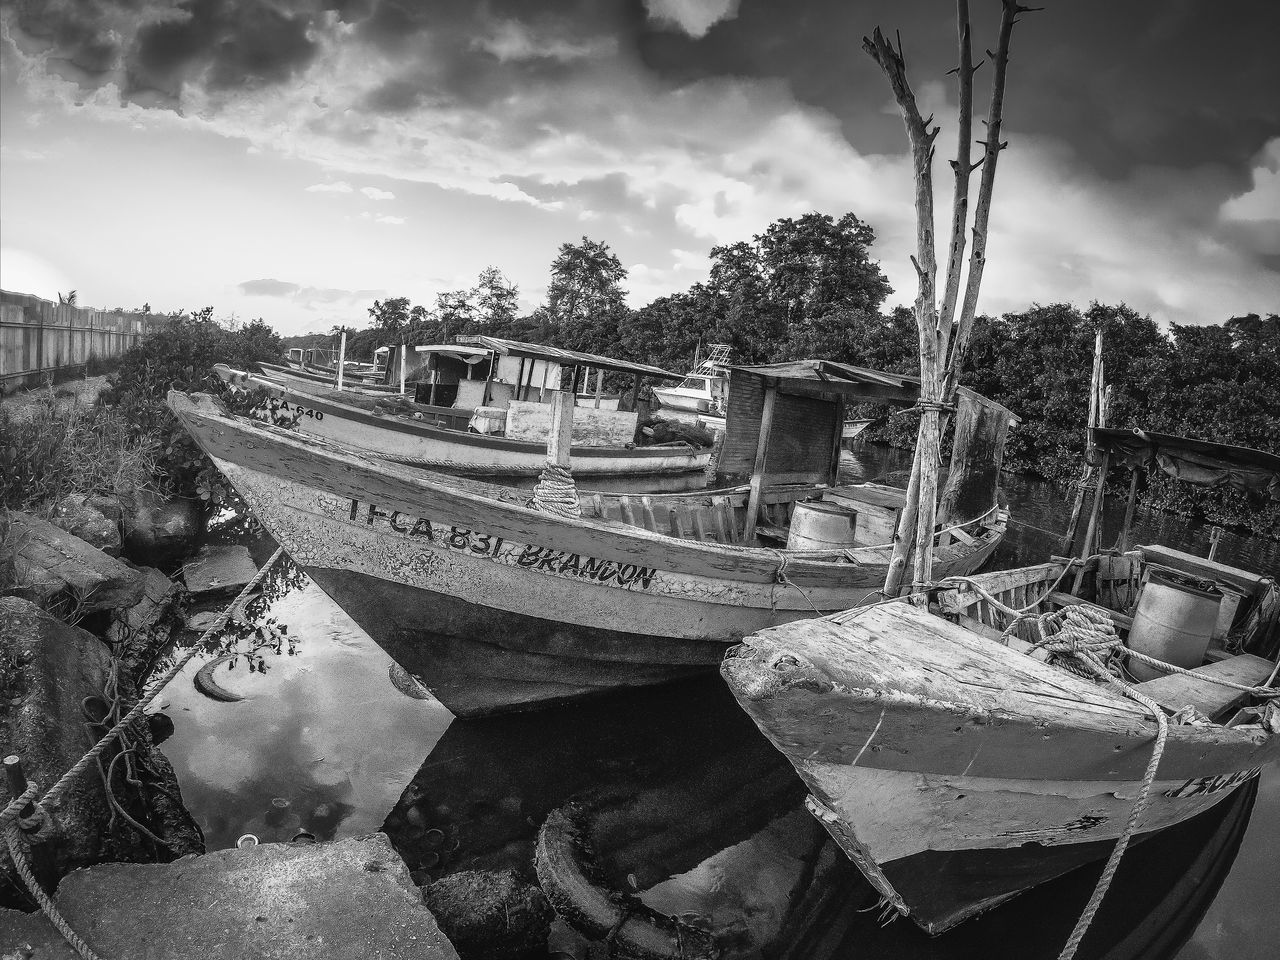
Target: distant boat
(500, 605)
(491, 425)
(852, 428)
(703, 388)
(957, 770)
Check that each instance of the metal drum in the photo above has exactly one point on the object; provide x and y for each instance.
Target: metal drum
(1174, 621)
(821, 526)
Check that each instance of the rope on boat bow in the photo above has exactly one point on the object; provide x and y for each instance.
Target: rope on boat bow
(556, 492)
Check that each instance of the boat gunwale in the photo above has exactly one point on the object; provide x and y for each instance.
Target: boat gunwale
(730, 561)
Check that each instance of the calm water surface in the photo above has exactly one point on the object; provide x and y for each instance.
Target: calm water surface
(695, 811)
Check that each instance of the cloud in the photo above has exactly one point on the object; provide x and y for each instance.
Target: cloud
(268, 288)
(560, 109)
(373, 193)
(309, 297)
(694, 17)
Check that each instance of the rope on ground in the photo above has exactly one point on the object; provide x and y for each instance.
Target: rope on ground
(556, 492)
(13, 810)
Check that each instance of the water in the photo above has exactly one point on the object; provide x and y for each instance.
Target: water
(689, 807)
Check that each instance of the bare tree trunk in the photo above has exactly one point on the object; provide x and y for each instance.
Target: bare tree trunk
(941, 353)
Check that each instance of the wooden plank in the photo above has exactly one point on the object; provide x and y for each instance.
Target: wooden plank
(757, 471)
(1176, 690)
(725, 519)
(700, 524)
(628, 511)
(647, 515)
(1242, 580)
(722, 528)
(957, 600)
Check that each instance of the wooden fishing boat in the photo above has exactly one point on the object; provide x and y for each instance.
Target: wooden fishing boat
(957, 768)
(304, 376)
(498, 602)
(493, 426)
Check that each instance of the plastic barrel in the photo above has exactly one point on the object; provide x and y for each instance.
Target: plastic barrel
(821, 526)
(1175, 618)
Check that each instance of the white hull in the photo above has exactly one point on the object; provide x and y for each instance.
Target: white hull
(677, 399)
(455, 450)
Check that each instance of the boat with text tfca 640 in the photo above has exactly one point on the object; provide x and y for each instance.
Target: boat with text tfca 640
(497, 599)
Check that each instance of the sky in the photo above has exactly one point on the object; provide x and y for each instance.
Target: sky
(297, 159)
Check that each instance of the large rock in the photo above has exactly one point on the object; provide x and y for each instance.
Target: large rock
(156, 529)
(51, 566)
(218, 569)
(331, 901)
(491, 914)
(78, 516)
(46, 669)
(142, 631)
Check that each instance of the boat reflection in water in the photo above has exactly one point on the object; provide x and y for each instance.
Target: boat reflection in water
(684, 839)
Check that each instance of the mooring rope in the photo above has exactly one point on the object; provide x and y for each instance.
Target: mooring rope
(8, 818)
(556, 492)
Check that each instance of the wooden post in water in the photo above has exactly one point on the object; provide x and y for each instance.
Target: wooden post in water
(757, 470)
(342, 356)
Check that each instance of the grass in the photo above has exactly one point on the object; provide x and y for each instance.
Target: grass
(53, 446)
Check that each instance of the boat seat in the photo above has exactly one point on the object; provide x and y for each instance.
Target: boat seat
(1176, 690)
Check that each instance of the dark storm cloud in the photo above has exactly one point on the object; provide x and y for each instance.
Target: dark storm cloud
(158, 46)
(1126, 84)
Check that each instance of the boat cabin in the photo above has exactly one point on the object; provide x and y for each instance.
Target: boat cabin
(778, 481)
(505, 388)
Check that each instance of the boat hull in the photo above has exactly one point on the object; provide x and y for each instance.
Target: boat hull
(931, 784)
(449, 572)
(456, 451)
(675, 399)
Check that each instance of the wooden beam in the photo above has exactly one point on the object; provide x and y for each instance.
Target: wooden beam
(342, 356)
(561, 434)
(757, 470)
(1128, 510)
(599, 386)
(835, 443)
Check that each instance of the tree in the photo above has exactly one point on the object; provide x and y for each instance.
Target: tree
(390, 316)
(585, 299)
(454, 312)
(496, 299)
(68, 299)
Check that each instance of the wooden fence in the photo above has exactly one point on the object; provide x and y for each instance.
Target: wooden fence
(39, 339)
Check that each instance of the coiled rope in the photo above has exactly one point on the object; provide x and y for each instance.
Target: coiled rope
(12, 812)
(556, 492)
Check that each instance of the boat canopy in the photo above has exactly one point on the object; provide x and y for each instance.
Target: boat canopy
(1200, 462)
(456, 351)
(826, 378)
(574, 358)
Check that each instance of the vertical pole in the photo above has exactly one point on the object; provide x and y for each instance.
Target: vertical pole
(488, 382)
(757, 470)
(403, 348)
(561, 436)
(542, 390)
(342, 356)
(599, 386)
(1128, 510)
(836, 442)
(1215, 538)
(520, 377)
(635, 393)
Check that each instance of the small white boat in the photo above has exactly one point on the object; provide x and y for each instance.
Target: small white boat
(703, 389)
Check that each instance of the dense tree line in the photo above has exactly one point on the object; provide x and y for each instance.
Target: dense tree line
(808, 287)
